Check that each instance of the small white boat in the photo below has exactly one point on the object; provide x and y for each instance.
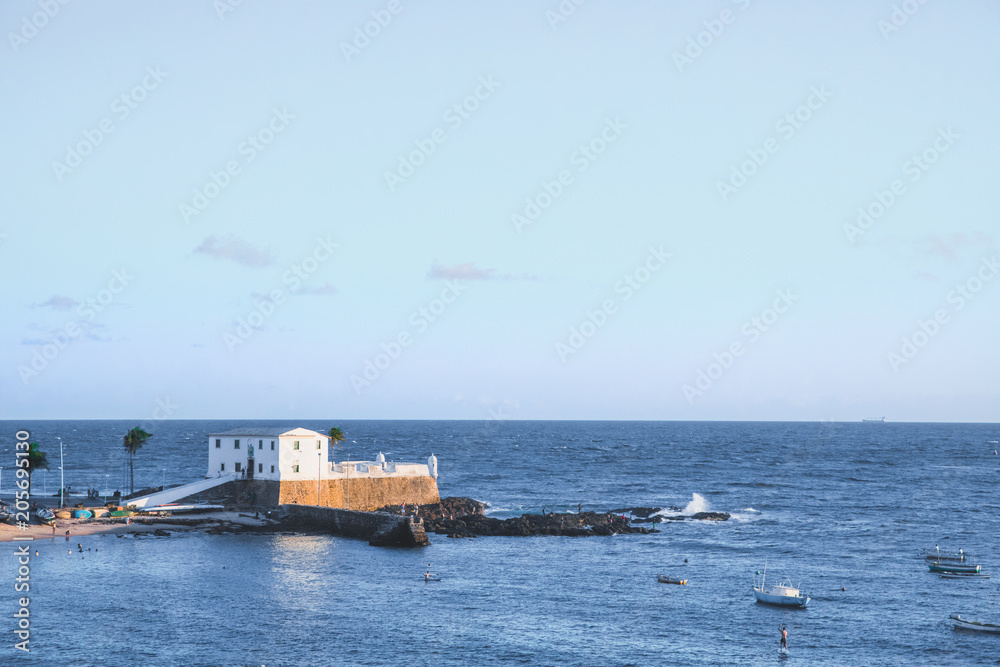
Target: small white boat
(663, 579)
(965, 624)
(782, 594)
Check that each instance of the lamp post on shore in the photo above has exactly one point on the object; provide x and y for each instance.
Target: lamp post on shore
(1, 482)
(319, 473)
(106, 477)
(62, 485)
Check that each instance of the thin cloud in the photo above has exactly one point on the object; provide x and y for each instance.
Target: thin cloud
(236, 250)
(58, 302)
(326, 289)
(469, 271)
(948, 247)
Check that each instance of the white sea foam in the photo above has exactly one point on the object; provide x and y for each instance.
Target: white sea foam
(697, 504)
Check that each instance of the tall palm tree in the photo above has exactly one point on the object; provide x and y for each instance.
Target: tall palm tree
(132, 442)
(37, 460)
(337, 437)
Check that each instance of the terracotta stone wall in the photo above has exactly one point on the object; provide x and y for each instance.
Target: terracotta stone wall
(366, 494)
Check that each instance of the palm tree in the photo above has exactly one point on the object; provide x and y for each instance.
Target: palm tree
(132, 442)
(336, 437)
(37, 460)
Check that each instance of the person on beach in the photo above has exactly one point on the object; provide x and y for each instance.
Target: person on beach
(784, 637)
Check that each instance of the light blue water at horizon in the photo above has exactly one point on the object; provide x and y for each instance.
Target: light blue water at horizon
(829, 504)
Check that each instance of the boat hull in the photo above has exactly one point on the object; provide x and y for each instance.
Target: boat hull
(963, 624)
(671, 580)
(781, 600)
(952, 568)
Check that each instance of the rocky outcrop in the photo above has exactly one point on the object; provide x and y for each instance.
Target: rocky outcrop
(651, 515)
(464, 517)
(379, 528)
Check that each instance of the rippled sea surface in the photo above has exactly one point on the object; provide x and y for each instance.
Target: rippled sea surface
(830, 505)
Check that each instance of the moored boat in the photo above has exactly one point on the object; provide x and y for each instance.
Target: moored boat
(943, 556)
(963, 575)
(6, 517)
(671, 580)
(46, 516)
(82, 514)
(783, 594)
(965, 624)
(954, 568)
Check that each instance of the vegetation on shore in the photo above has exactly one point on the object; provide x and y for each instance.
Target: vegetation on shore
(133, 442)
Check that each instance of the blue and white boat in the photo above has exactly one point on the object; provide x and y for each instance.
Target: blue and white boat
(782, 594)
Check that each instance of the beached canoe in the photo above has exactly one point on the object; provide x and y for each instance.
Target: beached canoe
(82, 514)
(671, 580)
(46, 516)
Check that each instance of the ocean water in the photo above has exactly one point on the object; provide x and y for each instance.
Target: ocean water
(830, 505)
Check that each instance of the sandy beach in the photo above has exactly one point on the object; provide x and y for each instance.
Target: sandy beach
(138, 524)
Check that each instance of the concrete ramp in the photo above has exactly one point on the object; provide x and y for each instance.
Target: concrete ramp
(178, 492)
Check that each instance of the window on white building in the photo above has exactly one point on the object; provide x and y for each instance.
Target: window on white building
(236, 444)
(260, 444)
(272, 445)
(222, 466)
(295, 468)
(239, 468)
(218, 443)
(296, 445)
(260, 467)
(318, 445)
(272, 470)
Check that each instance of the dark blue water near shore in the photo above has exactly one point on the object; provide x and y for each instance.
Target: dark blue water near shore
(828, 504)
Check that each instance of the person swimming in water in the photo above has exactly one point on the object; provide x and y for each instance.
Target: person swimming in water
(784, 637)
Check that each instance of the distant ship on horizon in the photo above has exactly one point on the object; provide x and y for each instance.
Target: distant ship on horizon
(874, 421)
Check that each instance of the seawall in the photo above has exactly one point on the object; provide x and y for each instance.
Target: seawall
(366, 494)
(379, 528)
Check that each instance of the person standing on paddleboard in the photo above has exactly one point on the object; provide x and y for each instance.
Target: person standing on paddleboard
(784, 637)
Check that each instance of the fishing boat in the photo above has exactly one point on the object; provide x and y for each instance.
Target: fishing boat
(671, 580)
(46, 516)
(783, 594)
(943, 556)
(963, 575)
(82, 514)
(6, 517)
(873, 420)
(954, 568)
(965, 624)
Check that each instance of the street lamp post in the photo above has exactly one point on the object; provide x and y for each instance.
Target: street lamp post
(106, 478)
(319, 471)
(62, 484)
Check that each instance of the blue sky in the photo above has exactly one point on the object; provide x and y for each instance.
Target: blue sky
(497, 210)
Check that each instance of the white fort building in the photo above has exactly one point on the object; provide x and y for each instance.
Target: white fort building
(294, 465)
